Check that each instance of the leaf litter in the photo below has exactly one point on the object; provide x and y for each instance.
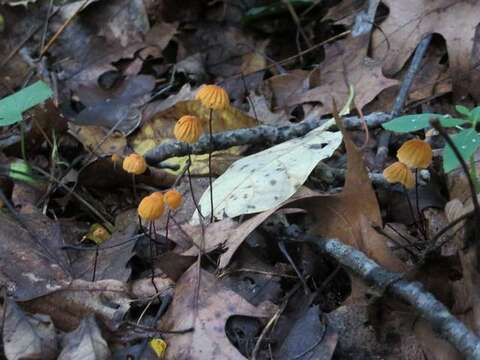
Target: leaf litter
(109, 78)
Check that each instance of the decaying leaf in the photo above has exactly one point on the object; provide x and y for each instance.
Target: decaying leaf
(113, 257)
(31, 261)
(216, 235)
(349, 215)
(28, 336)
(159, 128)
(86, 342)
(245, 228)
(215, 305)
(410, 21)
(107, 299)
(346, 64)
(309, 338)
(266, 179)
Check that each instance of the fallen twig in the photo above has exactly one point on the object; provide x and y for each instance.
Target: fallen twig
(252, 136)
(440, 318)
(407, 82)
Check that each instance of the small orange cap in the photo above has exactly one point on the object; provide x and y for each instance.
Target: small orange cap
(213, 97)
(415, 153)
(134, 164)
(399, 172)
(173, 198)
(188, 129)
(151, 207)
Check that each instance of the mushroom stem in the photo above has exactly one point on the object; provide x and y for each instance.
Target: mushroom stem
(421, 225)
(134, 186)
(191, 186)
(166, 225)
(210, 150)
(152, 267)
(95, 263)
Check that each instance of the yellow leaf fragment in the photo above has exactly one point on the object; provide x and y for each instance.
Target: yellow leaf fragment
(159, 346)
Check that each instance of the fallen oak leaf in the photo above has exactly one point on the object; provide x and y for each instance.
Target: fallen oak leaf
(410, 21)
(349, 215)
(107, 299)
(346, 64)
(216, 304)
(28, 336)
(32, 263)
(86, 342)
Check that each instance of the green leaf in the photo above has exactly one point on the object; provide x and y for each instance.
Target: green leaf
(409, 123)
(12, 106)
(21, 171)
(462, 110)
(475, 114)
(467, 142)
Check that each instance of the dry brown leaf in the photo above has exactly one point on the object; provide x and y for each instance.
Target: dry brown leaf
(86, 342)
(28, 336)
(216, 304)
(285, 86)
(260, 109)
(246, 228)
(216, 235)
(349, 215)
(411, 20)
(107, 299)
(32, 263)
(346, 63)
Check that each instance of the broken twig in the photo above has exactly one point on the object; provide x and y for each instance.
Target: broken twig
(252, 136)
(437, 314)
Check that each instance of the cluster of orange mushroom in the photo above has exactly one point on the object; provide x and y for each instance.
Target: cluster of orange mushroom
(152, 207)
(413, 154)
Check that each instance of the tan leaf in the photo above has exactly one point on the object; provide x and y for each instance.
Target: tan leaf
(107, 299)
(349, 215)
(215, 305)
(86, 342)
(346, 63)
(28, 336)
(410, 21)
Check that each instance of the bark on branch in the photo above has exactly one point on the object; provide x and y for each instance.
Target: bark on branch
(442, 321)
(252, 136)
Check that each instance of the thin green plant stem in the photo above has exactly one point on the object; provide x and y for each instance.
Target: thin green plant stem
(22, 141)
(474, 173)
(476, 207)
(210, 151)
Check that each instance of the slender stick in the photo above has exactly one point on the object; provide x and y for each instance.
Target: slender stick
(210, 150)
(402, 94)
(432, 310)
(441, 130)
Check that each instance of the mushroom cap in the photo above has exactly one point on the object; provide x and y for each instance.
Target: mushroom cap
(134, 164)
(188, 129)
(151, 207)
(172, 198)
(415, 153)
(401, 173)
(213, 97)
